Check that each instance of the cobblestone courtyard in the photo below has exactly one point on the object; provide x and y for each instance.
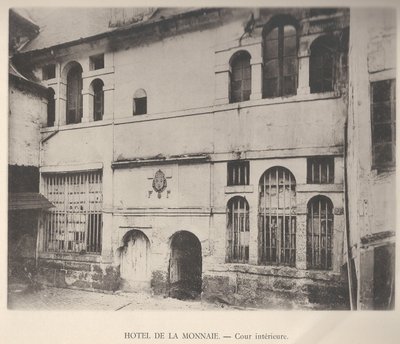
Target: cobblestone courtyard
(49, 298)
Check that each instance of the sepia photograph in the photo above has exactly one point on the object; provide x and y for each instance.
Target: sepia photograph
(202, 159)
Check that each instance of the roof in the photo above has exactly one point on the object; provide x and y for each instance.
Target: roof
(62, 25)
(28, 201)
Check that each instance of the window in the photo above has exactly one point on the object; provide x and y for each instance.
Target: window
(383, 121)
(96, 62)
(277, 217)
(238, 230)
(240, 77)
(49, 72)
(74, 95)
(98, 100)
(140, 102)
(322, 64)
(320, 170)
(51, 108)
(238, 173)
(319, 233)
(75, 223)
(280, 60)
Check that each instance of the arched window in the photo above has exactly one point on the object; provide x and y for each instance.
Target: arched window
(98, 100)
(280, 58)
(322, 64)
(277, 217)
(51, 108)
(74, 94)
(240, 77)
(319, 233)
(140, 102)
(238, 230)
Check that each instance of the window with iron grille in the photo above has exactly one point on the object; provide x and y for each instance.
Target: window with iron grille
(277, 217)
(238, 173)
(240, 77)
(322, 64)
(74, 95)
(280, 59)
(238, 230)
(75, 223)
(383, 123)
(320, 170)
(98, 100)
(319, 233)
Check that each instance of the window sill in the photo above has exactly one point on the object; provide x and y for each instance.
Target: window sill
(282, 271)
(71, 256)
(76, 126)
(231, 189)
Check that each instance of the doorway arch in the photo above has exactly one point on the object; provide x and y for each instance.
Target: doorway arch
(185, 266)
(135, 261)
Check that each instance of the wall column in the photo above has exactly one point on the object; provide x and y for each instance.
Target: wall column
(256, 78)
(301, 240)
(222, 84)
(108, 102)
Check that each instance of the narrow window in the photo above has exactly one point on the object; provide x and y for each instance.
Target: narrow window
(49, 72)
(75, 223)
(140, 102)
(277, 217)
(74, 95)
(280, 60)
(383, 122)
(238, 230)
(238, 173)
(319, 233)
(322, 64)
(96, 62)
(240, 77)
(320, 170)
(51, 108)
(98, 100)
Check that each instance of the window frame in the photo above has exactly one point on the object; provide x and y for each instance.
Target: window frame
(313, 257)
(323, 47)
(280, 23)
(242, 174)
(241, 57)
(283, 230)
(74, 95)
(238, 222)
(319, 162)
(392, 101)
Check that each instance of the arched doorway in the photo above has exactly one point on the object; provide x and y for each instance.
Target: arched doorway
(135, 261)
(185, 266)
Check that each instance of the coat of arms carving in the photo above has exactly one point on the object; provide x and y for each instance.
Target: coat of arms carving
(159, 182)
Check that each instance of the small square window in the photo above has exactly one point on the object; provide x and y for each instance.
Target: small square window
(238, 173)
(97, 62)
(320, 170)
(49, 72)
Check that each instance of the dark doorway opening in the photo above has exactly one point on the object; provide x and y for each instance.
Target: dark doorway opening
(185, 266)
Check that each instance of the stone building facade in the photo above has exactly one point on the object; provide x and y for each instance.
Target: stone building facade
(195, 152)
(372, 157)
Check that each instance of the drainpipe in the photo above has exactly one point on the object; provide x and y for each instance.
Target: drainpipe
(353, 305)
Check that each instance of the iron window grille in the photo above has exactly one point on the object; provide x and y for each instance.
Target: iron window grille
(75, 223)
(319, 233)
(238, 173)
(238, 230)
(277, 217)
(320, 170)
